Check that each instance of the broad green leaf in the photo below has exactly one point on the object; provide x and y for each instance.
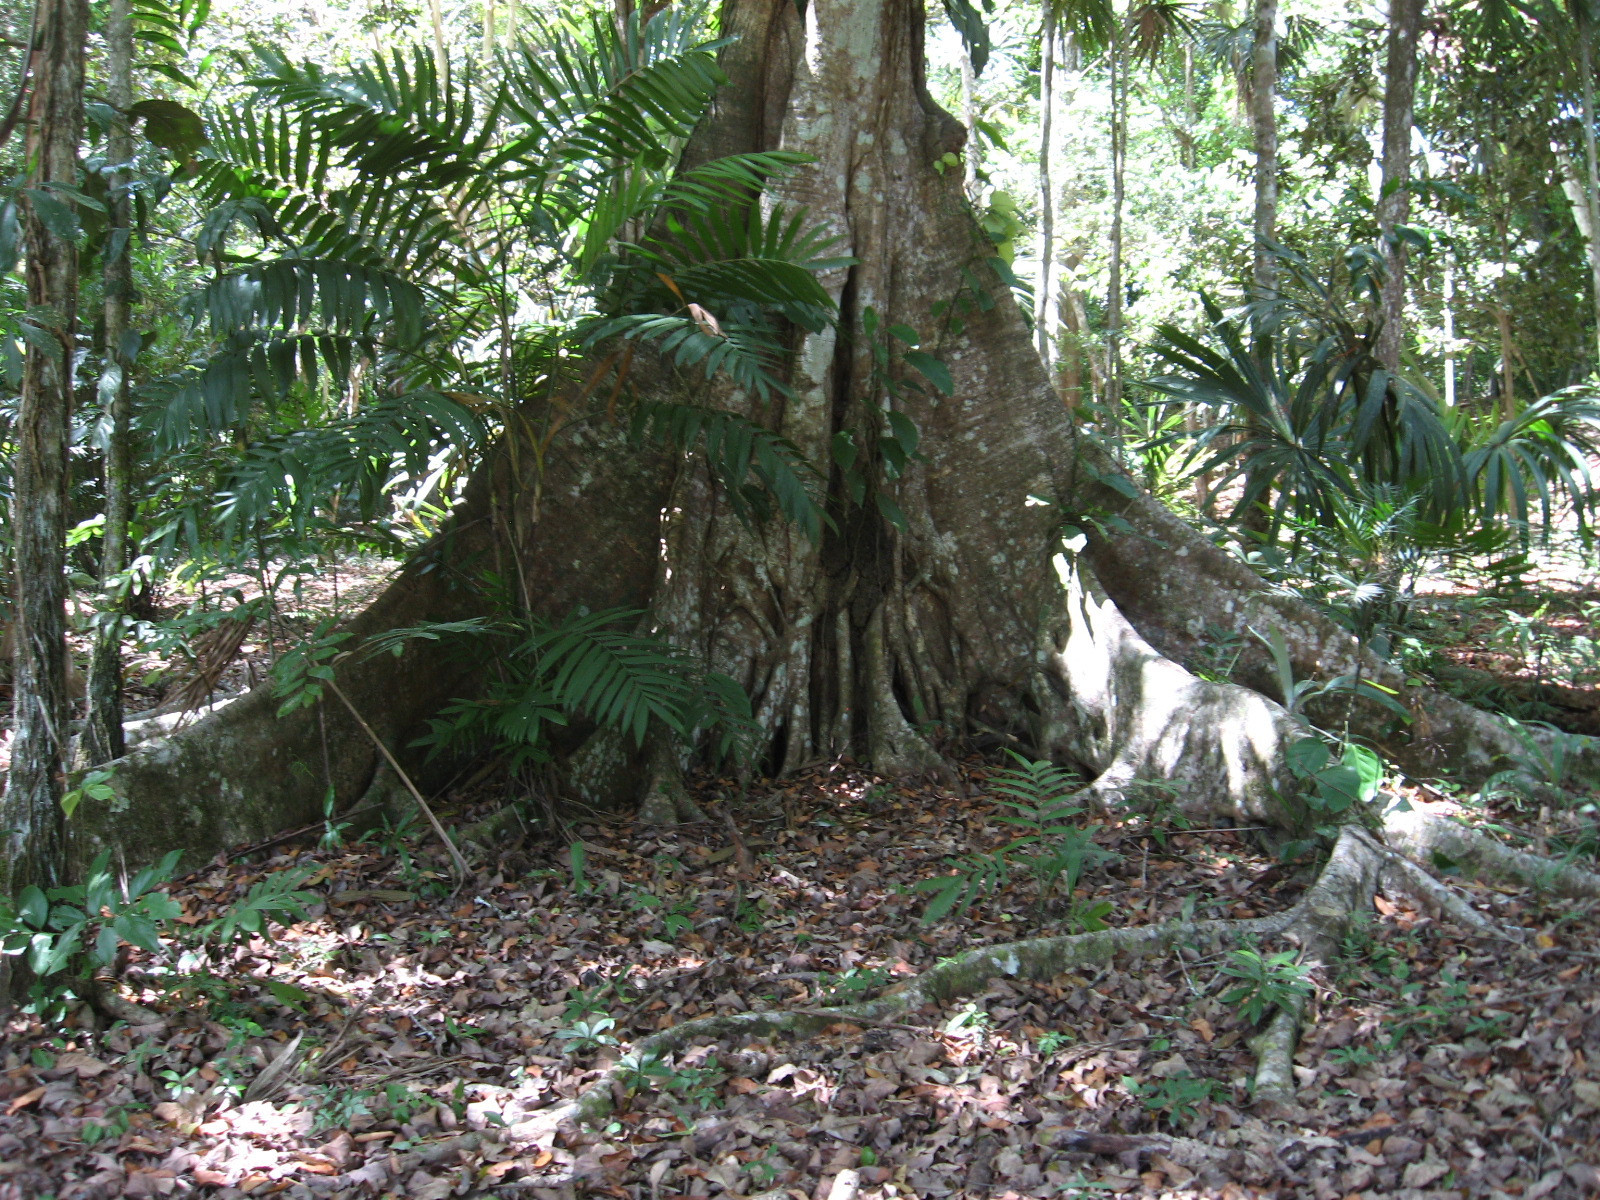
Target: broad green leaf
(172, 126)
(932, 369)
(1368, 767)
(1307, 756)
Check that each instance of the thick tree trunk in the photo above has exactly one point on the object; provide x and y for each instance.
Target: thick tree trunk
(1394, 202)
(31, 812)
(970, 618)
(102, 731)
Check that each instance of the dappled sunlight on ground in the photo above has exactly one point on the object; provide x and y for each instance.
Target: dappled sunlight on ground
(435, 1029)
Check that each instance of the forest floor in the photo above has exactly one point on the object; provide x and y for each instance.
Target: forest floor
(444, 1022)
(435, 1024)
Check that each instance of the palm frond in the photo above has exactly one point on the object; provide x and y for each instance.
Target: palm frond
(1542, 453)
(751, 462)
(397, 115)
(283, 476)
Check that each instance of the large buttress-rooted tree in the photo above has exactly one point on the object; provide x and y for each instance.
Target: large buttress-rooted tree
(969, 615)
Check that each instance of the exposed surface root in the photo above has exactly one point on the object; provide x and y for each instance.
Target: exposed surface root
(1427, 837)
(490, 835)
(1037, 958)
(1345, 887)
(1403, 875)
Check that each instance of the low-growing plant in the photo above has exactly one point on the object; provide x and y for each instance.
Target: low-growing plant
(971, 1017)
(1329, 788)
(94, 785)
(1266, 982)
(393, 834)
(276, 897)
(678, 919)
(1051, 849)
(1053, 1040)
(68, 933)
(589, 1034)
(1544, 759)
(335, 1107)
(851, 985)
(332, 831)
(1353, 1056)
(587, 1002)
(109, 1127)
(1175, 1099)
(578, 860)
(698, 1085)
(402, 1103)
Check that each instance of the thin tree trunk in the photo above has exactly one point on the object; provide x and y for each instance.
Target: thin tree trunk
(102, 734)
(1502, 319)
(1450, 328)
(488, 29)
(1264, 120)
(969, 117)
(1262, 82)
(1394, 201)
(441, 57)
(1119, 154)
(31, 812)
(1044, 332)
(1508, 360)
(1591, 161)
(1187, 148)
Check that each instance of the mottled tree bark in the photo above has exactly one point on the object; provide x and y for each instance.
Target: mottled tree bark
(1043, 302)
(1583, 19)
(1264, 125)
(102, 731)
(31, 812)
(1394, 203)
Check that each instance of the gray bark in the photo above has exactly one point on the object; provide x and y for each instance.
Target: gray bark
(1264, 123)
(1591, 159)
(1044, 306)
(102, 733)
(1394, 203)
(1119, 162)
